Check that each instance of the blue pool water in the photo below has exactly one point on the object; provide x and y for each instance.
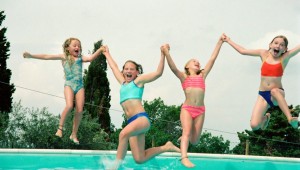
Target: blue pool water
(90, 160)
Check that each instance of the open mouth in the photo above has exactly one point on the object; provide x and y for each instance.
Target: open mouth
(128, 75)
(276, 51)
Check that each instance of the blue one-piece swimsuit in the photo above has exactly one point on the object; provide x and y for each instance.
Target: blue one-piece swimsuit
(73, 75)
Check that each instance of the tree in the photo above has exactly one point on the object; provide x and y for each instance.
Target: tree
(211, 144)
(165, 123)
(279, 139)
(35, 128)
(97, 91)
(6, 89)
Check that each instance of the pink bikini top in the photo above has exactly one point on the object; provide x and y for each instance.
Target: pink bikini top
(194, 82)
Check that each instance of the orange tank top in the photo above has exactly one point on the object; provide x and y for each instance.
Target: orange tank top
(271, 70)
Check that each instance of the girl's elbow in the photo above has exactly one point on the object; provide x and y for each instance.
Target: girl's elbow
(159, 74)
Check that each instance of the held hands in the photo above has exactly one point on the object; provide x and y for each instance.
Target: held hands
(106, 50)
(225, 38)
(102, 49)
(165, 49)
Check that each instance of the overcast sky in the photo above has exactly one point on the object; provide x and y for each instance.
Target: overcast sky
(136, 29)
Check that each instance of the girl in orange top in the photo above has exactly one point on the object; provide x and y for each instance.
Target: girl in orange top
(271, 92)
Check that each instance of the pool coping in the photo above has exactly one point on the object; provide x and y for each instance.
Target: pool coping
(169, 154)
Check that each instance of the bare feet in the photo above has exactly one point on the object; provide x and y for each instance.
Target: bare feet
(74, 139)
(294, 122)
(266, 121)
(59, 132)
(170, 147)
(187, 163)
(116, 165)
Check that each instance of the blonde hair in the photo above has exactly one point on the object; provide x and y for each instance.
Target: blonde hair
(65, 46)
(186, 70)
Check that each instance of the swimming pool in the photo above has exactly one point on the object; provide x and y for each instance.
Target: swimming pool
(44, 159)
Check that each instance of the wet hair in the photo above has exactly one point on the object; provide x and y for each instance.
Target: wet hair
(65, 46)
(284, 39)
(186, 70)
(138, 67)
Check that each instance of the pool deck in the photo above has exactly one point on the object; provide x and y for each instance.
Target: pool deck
(167, 154)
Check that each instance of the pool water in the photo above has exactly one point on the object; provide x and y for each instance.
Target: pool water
(44, 159)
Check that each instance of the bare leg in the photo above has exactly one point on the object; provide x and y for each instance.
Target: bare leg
(186, 122)
(265, 121)
(140, 155)
(69, 96)
(278, 94)
(258, 112)
(138, 126)
(197, 129)
(78, 115)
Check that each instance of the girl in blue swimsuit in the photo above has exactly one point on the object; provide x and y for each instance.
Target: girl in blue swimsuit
(72, 64)
(132, 87)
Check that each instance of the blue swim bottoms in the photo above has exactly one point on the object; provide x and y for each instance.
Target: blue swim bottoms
(267, 96)
(137, 116)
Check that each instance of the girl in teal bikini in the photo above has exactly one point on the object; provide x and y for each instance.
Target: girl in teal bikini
(132, 83)
(72, 63)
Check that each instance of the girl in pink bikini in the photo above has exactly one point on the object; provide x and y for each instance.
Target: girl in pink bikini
(193, 109)
(271, 93)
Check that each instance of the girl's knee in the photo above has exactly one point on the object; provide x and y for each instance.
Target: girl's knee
(139, 160)
(123, 135)
(69, 107)
(254, 125)
(79, 111)
(194, 142)
(275, 91)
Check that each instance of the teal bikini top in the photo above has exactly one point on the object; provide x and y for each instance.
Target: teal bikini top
(130, 91)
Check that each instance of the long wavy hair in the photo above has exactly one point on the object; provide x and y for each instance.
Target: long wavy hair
(69, 58)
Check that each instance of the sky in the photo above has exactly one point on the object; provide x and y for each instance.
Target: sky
(135, 30)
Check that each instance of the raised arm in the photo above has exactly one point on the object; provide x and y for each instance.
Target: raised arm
(113, 65)
(94, 55)
(44, 56)
(166, 51)
(291, 53)
(213, 56)
(149, 77)
(241, 49)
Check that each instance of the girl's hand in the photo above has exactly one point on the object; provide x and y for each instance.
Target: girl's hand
(102, 49)
(165, 48)
(225, 38)
(26, 55)
(106, 50)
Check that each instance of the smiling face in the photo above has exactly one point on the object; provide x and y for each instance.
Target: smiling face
(192, 67)
(72, 46)
(278, 46)
(130, 71)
